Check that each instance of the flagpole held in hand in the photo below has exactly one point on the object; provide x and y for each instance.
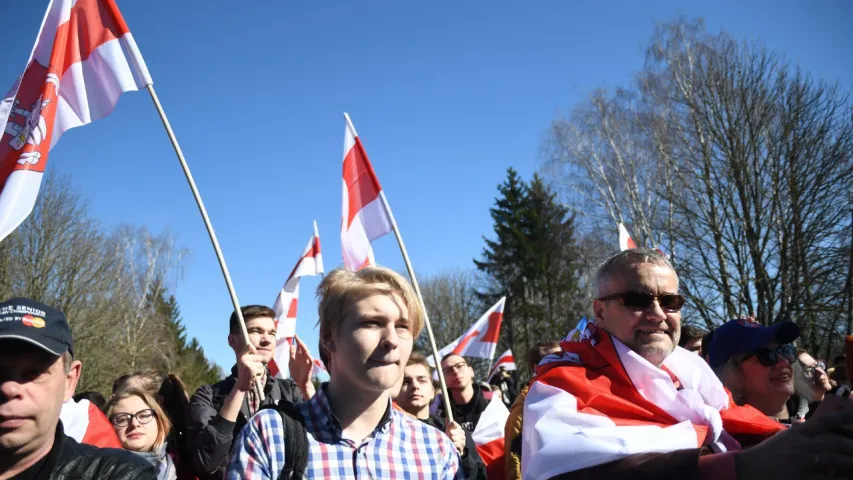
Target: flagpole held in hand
(259, 388)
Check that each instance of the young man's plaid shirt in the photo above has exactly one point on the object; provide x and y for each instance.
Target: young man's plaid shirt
(400, 447)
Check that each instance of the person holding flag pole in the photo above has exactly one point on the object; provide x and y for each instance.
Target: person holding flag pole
(368, 216)
(46, 101)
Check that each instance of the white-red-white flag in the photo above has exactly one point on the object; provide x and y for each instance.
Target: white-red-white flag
(319, 368)
(625, 240)
(84, 422)
(364, 215)
(481, 340)
(285, 306)
(83, 60)
(506, 361)
(488, 435)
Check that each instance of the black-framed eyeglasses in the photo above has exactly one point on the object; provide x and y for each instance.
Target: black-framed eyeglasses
(770, 356)
(124, 419)
(639, 301)
(454, 368)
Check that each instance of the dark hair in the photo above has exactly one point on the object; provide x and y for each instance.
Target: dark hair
(249, 312)
(95, 398)
(690, 333)
(418, 359)
(538, 352)
(451, 354)
(839, 360)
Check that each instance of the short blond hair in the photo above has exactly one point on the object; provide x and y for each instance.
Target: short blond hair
(164, 426)
(340, 289)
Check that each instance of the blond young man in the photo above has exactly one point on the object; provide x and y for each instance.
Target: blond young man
(368, 322)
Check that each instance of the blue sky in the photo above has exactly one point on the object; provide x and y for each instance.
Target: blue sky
(445, 96)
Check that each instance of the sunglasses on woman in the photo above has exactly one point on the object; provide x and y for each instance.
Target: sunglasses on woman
(770, 356)
(639, 301)
(124, 419)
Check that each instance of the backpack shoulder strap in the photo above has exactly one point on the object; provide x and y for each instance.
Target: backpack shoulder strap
(295, 441)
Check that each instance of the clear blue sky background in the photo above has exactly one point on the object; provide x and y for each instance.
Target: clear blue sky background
(445, 96)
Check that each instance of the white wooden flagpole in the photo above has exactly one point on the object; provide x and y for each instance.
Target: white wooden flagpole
(259, 388)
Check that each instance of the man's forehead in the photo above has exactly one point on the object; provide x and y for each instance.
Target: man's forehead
(379, 303)
(416, 370)
(22, 351)
(261, 322)
(635, 274)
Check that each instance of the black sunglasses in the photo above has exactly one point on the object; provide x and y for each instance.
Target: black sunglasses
(770, 356)
(670, 302)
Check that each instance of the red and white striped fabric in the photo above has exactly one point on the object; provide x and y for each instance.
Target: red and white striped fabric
(481, 340)
(625, 240)
(364, 215)
(505, 360)
(285, 306)
(83, 422)
(489, 438)
(319, 368)
(83, 60)
(574, 419)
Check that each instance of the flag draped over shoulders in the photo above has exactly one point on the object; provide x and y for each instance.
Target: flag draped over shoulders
(597, 401)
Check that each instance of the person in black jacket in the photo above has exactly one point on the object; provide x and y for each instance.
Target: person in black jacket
(467, 398)
(414, 398)
(218, 412)
(37, 374)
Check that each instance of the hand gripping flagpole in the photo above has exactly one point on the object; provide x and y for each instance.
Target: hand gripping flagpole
(257, 381)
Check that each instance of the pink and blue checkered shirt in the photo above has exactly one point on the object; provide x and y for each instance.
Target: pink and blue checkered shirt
(400, 447)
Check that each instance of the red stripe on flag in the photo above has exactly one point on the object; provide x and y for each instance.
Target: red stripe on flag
(362, 185)
(504, 360)
(273, 368)
(494, 330)
(291, 311)
(311, 253)
(92, 24)
(464, 342)
(492, 454)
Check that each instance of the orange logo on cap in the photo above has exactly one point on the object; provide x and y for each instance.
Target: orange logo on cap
(32, 321)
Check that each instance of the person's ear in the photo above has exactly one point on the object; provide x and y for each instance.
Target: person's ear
(72, 378)
(598, 311)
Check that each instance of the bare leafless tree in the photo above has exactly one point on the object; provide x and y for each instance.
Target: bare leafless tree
(739, 162)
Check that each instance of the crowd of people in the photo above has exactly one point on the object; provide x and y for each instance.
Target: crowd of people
(631, 394)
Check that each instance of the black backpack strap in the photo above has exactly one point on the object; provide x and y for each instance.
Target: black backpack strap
(295, 441)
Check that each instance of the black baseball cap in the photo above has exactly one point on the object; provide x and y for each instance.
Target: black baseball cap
(34, 322)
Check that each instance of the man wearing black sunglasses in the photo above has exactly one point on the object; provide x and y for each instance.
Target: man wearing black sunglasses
(621, 401)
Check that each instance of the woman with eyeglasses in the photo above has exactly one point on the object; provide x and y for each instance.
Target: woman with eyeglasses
(756, 364)
(142, 428)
